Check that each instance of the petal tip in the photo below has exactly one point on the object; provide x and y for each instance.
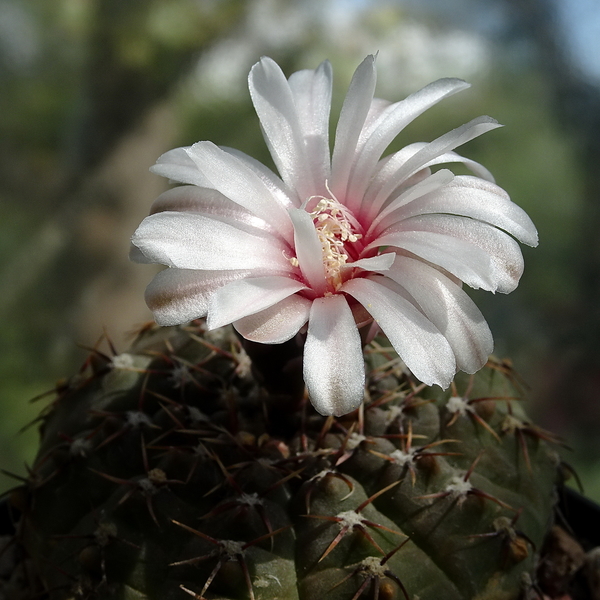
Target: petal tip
(337, 407)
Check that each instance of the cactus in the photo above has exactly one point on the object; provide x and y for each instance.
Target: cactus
(184, 469)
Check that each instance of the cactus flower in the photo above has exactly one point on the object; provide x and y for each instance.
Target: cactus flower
(339, 241)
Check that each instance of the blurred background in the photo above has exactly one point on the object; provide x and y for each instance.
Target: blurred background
(93, 91)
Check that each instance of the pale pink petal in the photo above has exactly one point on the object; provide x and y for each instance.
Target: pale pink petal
(275, 107)
(449, 308)
(381, 173)
(465, 261)
(334, 370)
(424, 187)
(194, 241)
(378, 179)
(230, 176)
(480, 255)
(176, 165)
(209, 202)
(422, 347)
(244, 297)
(389, 124)
(178, 296)
(276, 324)
(475, 198)
(308, 250)
(397, 169)
(350, 124)
(311, 90)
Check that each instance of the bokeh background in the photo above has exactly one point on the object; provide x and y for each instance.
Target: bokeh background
(93, 91)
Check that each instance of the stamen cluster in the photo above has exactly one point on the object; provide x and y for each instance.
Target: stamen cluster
(335, 228)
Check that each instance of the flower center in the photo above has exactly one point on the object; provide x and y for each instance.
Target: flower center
(336, 229)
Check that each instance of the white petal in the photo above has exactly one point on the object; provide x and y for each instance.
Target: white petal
(275, 107)
(209, 202)
(244, 297)
(387, 127)
(452, 157)
(276, 324)
(276, 186)
(395, 172)
(382, 172)
(448, 308)
(381, 262)
(417, 341)
(230, 176)
(378, 106)
(308, 250)
(479, 199)
(470, 264)
(427, 185)
(311, 90)
(352, 118)
(177, 296)
(334, 370)
(480, 255)
(178, 166)
(194, 241)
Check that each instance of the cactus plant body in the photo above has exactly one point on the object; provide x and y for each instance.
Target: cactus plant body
(182, 470)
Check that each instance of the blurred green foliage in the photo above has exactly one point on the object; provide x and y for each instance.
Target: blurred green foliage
(97, 68)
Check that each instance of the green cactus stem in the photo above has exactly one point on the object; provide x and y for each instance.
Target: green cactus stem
(173, 471)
